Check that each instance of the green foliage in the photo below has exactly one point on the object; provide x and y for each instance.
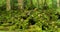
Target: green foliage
(39, 19)
(2, 2)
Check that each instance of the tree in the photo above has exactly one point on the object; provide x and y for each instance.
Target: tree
(20, 4)
(31, 3)
(8, 7)
(59, 2)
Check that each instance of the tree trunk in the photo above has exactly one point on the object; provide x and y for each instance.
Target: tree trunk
(58, 3)
(31, 4)
(8, 7)
(20, 4)
(38, 3)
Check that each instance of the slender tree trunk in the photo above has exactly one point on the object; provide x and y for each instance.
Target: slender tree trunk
(31, 4)
(20, 4)
(38, 3)
(8, 7)
(58, 3)
(12, 4)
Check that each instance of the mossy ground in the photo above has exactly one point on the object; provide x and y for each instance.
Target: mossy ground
(29, 20)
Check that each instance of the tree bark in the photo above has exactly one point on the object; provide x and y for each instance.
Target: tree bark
(20, 4)
(38, 3)
(8, 7)
(58, 3)
(31, 4)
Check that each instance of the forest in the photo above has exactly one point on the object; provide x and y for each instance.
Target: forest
(30, 15)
